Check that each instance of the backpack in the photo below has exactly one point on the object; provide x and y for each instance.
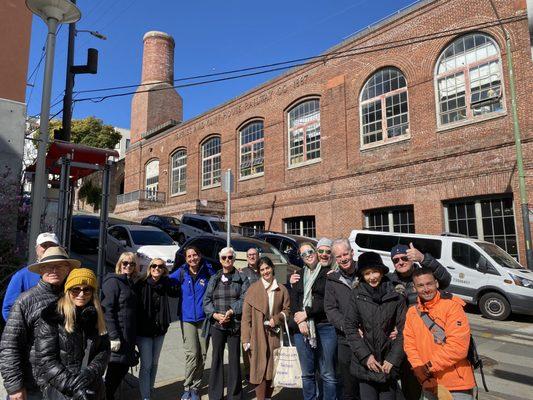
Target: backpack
(439, 336)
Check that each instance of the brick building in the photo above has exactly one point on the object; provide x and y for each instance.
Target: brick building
(405, 126)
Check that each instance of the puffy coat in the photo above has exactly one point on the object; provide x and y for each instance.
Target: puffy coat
(60, 354)
(153, 311)
(337, 301)
(17, 348)
(449, 364)
(318, 290)
(405, 284)
(190, 306)
(376, 320)
(119, 302)
(262, 342)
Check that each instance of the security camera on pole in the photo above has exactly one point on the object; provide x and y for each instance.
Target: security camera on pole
(227, 186)
(53, 13)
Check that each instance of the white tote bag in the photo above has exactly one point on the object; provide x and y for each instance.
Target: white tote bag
(287, 370)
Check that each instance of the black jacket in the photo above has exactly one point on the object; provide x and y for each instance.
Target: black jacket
(120, 307)
(153, 311)
(405, 285)
(376, 320)
(336, 302)
(17, 348)
(60, 354)
(318, 290)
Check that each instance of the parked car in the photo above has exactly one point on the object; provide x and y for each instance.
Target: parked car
(482, 273)
(170, 225)
(193, 225)
(287, 244)
(147, 241)
(85, 233)
(210, 246)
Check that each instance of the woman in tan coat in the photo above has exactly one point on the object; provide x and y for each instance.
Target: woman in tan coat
(262, 321)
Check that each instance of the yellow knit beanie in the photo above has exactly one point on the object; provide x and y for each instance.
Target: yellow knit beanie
(81, 276)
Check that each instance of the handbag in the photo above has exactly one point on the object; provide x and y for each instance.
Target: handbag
(287, 369)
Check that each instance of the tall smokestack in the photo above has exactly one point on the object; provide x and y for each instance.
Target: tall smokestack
(155, 101)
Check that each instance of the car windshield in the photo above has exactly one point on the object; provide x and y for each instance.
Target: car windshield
(263, 247)
(150, 238)
(86, 223)
(499, 255)
(171, 221)
(220, 226)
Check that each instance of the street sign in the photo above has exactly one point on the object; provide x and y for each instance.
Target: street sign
(227, 181)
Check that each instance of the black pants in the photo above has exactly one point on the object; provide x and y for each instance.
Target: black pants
(411, 389)
(377, 391)
(113, 377)
(349, 383)
(219, 338)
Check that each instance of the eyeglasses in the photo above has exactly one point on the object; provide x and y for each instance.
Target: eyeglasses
(323, 251)
(158, 266)
(130, 263)
(77, 290)
(396, 260)
(223, 258)
(307, 253)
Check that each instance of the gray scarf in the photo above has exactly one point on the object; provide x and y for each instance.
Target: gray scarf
(309, 279)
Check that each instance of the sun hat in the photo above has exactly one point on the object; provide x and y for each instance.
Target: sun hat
(370, 259)
(54, 255)
(81, 276)
(47, 237)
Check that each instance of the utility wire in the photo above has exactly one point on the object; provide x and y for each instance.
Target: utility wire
(292, 63)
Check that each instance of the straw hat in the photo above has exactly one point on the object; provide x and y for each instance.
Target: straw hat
(54, 255)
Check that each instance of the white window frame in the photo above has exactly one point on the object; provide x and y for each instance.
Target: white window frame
(212, 159)
(307, 125)
(260, 166)
(301, 220)
(382, 99)
(153, 187)
(181, 170)
(466, 71)
(390, 217)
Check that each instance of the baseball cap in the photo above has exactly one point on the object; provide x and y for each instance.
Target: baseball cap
(47, 237)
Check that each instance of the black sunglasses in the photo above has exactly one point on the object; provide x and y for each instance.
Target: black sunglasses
(396, 260)
(158, 266)
(77, 290)
(226, 257)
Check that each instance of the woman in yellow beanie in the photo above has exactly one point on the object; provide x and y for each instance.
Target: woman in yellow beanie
(72, 343)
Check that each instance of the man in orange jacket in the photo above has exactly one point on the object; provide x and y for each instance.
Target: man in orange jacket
(438, 357)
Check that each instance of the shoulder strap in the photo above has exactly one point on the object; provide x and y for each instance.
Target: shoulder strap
(439, 335)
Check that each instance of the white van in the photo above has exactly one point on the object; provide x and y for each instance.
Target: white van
(482, 273)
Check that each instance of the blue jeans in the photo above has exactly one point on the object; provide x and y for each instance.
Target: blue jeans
(149, 349)
(324, 356)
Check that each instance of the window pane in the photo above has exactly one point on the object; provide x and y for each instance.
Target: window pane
(252, 144)
(211, 162)
(304, 132)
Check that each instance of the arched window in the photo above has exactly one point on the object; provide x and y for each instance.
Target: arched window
(468, 79)
(252, 149)
(304, 132)
(211, 162)
(152, 179)
(178, 179)
(384, 108)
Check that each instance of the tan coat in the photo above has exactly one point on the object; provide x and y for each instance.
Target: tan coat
(262, 341)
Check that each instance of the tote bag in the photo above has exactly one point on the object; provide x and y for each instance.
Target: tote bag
(287, 370)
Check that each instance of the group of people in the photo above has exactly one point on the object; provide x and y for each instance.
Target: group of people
(360, 331)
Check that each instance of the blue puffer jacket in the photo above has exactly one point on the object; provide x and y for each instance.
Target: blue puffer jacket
(190, 307)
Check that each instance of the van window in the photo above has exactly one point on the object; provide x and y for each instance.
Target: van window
(465, 254)
(387, 242)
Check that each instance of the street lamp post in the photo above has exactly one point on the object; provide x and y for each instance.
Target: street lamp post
(53, 13)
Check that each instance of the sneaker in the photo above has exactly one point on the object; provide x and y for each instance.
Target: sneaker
(194, 394)
(186, 395)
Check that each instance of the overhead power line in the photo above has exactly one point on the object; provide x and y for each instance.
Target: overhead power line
(300, 62)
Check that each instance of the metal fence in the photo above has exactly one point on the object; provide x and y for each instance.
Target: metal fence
(138, 195)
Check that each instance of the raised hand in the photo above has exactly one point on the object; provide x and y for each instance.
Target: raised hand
(414, 254)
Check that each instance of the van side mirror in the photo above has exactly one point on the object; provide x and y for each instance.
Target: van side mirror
(483, 265)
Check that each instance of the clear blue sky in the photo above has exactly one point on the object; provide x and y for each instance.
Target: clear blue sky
(211, 36)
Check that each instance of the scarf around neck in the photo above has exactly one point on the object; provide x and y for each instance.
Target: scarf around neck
(309, 279)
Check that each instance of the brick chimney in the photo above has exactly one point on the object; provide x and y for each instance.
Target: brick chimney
(155, 101)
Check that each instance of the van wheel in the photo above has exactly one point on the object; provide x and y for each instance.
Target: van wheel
(494, 306)
(181, 238)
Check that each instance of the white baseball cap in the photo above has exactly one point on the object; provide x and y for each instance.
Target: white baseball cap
(47, 237)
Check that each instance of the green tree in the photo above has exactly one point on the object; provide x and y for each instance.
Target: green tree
(90, 131)
(91, 193)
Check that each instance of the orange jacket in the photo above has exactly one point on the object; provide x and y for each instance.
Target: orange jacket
(448, 360)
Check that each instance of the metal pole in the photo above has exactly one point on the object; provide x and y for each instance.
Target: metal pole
(62, 209)
(69, 85)
(41, 178)
(228, 217)
(102, 239)
(519, 160)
